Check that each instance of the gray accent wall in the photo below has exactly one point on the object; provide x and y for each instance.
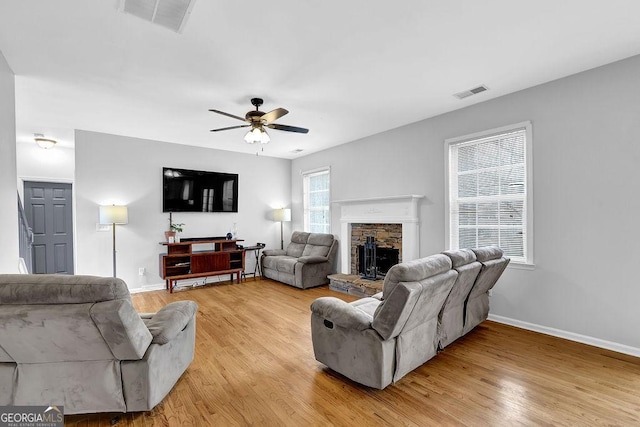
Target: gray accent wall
(8, 180)
(114, 169)
(586, 156)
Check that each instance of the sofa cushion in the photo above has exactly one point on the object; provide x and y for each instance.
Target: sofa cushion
(341, 313)
(320, 239)
(488, 253)
(298, 243)
(271, 262)
(51, 333)
(312, 259)
(122, 328)
(283, 263)
(286, 264)
(316, 251)
(4, 357)
(392, 313)
(60, 289)
(367, 304)
(451, 317)
(460, 257)
(167, 323)
(318, 244)
(414, 271)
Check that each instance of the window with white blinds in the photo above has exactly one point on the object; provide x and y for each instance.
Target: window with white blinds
(489, 191)
(317, 213)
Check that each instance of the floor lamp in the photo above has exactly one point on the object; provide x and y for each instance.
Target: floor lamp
(282, 215)
(114, 215)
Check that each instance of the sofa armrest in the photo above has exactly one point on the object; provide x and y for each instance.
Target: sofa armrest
(274, 252)
(341, 313)
(377, 296)
(313, 259)
(167, 323)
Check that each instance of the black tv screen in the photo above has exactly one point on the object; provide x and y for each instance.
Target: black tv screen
(185, 190)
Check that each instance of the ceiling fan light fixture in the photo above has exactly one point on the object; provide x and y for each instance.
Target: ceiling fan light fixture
(257, 134)
(254, 135)
(265, 137)
(258, 120)
(248, 138)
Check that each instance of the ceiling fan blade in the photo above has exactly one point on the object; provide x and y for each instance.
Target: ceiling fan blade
(287, 128)
(273, 115)
(230, 127)
(229, 115)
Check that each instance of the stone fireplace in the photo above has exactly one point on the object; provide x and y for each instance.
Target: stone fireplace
(394, 219)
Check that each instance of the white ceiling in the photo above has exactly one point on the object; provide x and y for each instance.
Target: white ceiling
(344, 69)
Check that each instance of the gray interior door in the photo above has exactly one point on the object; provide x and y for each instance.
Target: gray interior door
(49, 212)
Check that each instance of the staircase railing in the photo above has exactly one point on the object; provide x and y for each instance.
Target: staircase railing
(25, 236)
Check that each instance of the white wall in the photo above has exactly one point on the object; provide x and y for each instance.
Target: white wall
(8, 181)
(586, 152)
(121, 170)
(36, 164)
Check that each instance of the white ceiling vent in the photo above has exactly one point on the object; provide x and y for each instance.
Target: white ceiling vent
(468, 93)
(171, 14)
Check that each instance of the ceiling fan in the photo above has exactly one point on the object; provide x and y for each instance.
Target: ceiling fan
(258, 120)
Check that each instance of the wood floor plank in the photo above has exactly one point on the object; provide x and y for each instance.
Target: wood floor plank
(254, 365)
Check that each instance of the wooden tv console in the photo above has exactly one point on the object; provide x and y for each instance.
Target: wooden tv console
(182, 262)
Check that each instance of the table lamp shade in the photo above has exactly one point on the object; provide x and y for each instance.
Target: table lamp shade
(114, 215)
(282, 215)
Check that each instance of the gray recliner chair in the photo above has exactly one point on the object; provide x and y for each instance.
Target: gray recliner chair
(477, 304)
(306, 262)
(77, 341)
(375, 342)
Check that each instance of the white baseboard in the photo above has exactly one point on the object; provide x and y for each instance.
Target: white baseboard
(148, 288)
(596, 342)
(180, 284)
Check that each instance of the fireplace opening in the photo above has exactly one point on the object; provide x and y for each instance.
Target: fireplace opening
(375, 261)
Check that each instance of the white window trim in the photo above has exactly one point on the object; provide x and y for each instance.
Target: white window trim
(529, 264)
(304, 174)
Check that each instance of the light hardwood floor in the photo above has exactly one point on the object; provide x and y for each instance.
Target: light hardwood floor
(254, 365)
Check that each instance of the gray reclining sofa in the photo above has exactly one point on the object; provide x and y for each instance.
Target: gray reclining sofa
(77, 341)
(306, 262)
(425, 305)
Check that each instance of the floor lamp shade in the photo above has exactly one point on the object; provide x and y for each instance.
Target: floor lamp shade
(114, 215)
(282, 216)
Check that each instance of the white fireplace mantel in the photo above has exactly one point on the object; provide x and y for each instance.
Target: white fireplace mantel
(381, 210)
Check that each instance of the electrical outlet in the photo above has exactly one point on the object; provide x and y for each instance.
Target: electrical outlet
(103, 227)
(141, 271)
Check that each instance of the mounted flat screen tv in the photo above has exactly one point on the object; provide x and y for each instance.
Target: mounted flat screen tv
(185, 190)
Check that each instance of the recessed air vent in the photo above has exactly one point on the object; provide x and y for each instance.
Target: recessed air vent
(171, 14)
(470, 92)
